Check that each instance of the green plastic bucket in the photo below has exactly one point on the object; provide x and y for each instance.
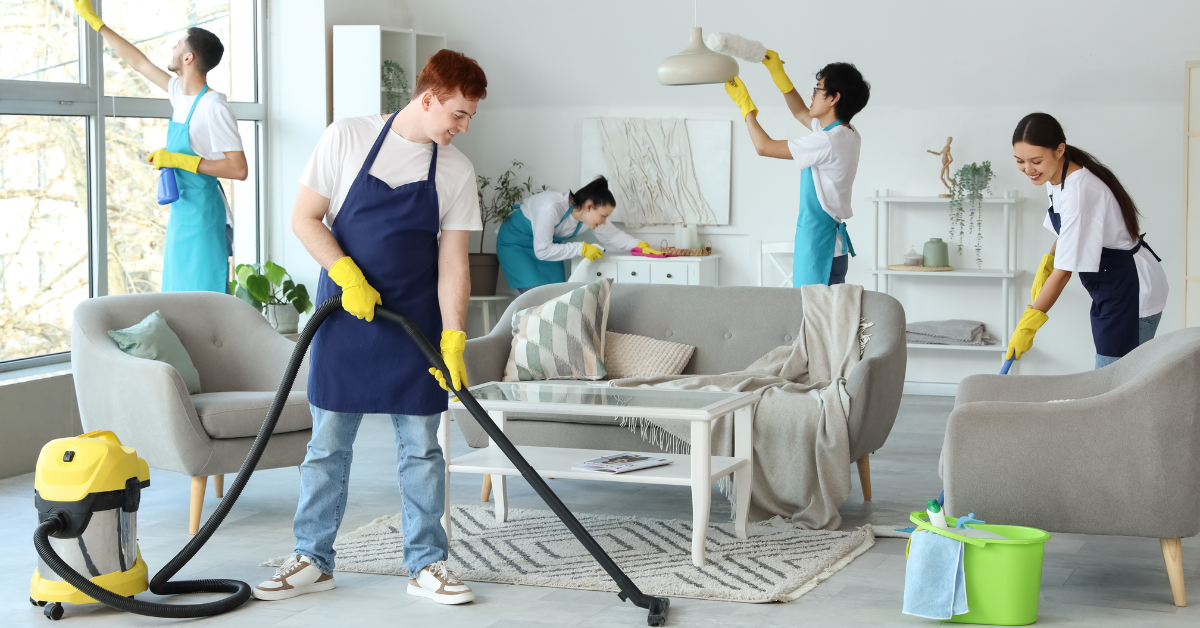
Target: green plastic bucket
(1004, 576)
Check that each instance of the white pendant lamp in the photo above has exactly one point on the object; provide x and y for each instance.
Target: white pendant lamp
(697, 64)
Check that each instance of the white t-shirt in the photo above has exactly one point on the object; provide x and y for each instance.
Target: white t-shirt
(1090, 220)
(344, 147)
(214, 127)
(833, 157)
(544, 211)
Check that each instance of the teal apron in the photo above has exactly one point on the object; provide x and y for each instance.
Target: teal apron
(816, 235)
(514, 247)
(196, 252)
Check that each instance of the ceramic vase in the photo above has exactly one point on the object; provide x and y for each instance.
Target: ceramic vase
(936, 253)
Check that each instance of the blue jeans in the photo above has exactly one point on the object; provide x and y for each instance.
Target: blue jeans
(837, 272)
(1147, 327)
(325, 483)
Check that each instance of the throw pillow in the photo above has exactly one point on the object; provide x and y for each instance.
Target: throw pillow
(152, 339)
(562, 338)
(626, 355)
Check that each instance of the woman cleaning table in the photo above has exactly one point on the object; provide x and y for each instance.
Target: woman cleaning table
(536, 240)
(1096, 224)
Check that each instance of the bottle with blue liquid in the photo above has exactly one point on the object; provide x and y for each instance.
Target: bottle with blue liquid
(168, 189)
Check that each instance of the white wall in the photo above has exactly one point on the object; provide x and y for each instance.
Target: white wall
(1110, 72)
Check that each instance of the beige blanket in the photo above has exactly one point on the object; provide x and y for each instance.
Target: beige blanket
(801, 442)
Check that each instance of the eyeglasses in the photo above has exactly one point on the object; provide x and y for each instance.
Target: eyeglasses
(819, 89)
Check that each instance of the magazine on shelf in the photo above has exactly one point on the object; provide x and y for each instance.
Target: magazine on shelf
(620, 463)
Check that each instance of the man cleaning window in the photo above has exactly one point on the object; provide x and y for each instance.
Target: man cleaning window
(373, 199)
(202, 144)
(828, 161)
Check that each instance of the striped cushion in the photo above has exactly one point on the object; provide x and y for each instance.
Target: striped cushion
(562, 338)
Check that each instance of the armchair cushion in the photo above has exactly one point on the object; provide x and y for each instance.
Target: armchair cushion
(241, 414)
(152, 339)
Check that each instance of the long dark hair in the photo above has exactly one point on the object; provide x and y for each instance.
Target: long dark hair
(1041, 129)
(597, 192)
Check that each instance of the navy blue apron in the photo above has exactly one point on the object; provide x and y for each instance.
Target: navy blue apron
(816, 235)
(514, 247)
(1114, 289)
(392, 235)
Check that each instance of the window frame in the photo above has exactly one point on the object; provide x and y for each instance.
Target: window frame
(86, 99)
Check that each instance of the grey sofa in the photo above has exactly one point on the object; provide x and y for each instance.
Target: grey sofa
(730, 327)
(1110, 451)
(241, 359)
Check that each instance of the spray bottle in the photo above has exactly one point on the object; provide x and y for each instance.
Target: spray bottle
(936, 516)
(168, 189)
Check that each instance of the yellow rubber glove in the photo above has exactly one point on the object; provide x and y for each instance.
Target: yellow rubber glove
(645, 246)
(592, 252)
(1039, 280)
(737, 91)
(453, 345)
(85, 11)
(358, 297)
(1022, 338)
(775, 65)
(163, 158)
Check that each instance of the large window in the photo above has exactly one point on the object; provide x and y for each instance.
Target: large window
(77, 197)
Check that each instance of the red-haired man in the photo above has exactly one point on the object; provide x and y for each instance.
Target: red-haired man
(373, 200)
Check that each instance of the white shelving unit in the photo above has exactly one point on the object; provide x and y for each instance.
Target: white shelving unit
(358, 55)
(886, 203)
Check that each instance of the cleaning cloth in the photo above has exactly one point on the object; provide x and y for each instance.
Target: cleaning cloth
(935, 583)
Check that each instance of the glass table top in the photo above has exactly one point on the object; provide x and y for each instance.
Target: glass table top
(582, 394)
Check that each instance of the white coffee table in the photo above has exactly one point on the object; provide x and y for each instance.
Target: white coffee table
(700, 408)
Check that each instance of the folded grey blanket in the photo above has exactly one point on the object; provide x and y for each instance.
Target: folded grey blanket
(952, 332)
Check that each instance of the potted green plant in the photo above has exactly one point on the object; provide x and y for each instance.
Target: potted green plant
(270, 289)
(394, 87)
(497, 200)
(969, 185)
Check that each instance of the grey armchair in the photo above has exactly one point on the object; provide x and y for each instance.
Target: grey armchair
(1110, 451)
(241, 359)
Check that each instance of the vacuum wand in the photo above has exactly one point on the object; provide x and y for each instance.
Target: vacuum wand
(657, 606)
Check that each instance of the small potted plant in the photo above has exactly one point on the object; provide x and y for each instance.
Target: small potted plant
(270, 289)
(970, 183)
(497, 200)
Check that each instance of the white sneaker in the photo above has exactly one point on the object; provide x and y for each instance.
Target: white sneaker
(297, 576)
(438, 584)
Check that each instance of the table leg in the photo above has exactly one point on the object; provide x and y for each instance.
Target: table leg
(499, 485)
(443, 437)
(701, 488)
(743, 447)
(487, 317)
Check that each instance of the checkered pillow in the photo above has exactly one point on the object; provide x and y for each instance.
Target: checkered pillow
(562, 338)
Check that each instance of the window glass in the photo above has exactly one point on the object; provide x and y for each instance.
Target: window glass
(155, 28)
(137, 224)
(44, 243)
(40, 42)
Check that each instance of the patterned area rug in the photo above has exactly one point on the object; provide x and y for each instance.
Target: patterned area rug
(778, 563)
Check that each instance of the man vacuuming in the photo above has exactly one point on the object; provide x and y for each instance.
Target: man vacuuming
(375, 195)
(203, 144)
(828, 160)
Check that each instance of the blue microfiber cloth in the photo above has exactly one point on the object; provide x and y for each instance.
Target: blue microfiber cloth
(935, 583)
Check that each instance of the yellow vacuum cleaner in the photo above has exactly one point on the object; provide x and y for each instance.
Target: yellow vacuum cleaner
(87, 491)
(94, 484)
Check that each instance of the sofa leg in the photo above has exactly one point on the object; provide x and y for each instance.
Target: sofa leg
(219, 486)
(486, 493)
(198, 486)
(1172, 550)
(864, 476)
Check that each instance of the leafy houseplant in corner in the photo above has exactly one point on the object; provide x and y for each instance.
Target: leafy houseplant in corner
(497, 201)
(270, 289)
(970, 183)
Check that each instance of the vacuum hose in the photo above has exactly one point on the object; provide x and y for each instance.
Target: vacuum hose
(161, 585)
